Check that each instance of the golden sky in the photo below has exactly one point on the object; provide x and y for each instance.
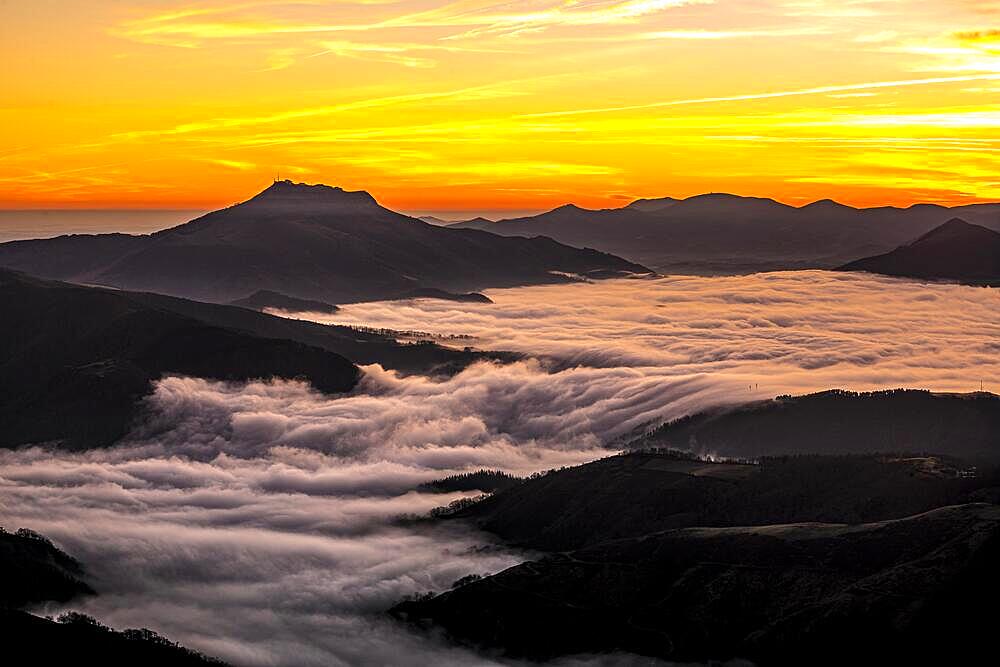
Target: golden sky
(489, 105)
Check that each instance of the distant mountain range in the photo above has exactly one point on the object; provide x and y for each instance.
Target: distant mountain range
(263, 299)
(723, 233)
(954, 251)
(306, 242)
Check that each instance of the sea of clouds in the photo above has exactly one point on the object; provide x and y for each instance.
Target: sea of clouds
(260, 523)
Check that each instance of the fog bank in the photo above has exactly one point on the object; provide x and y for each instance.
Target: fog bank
(261, 522)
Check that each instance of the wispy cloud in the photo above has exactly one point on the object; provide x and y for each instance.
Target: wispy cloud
(472, 18)
(234, 164)
(397, 52)
(485, 91)
(992, 36)
(818, 90)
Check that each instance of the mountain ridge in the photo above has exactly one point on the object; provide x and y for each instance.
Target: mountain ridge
(76, 360)
(725, 233)
(311, 242)
(776, 594)
(955, 250)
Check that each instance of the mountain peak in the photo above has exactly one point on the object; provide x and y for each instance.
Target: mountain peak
(652, 204)
(955, 250)
(956, 227)
(287, 193)
(825, 204)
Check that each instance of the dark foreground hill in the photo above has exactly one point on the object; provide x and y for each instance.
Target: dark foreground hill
(33, 571)
(431, 293)
(76, 360)
(647, 491)
(262, 299)
(842, 422)
(307, 242)
(722, 233)
(954, 251)
(918, 590)
(789, 560)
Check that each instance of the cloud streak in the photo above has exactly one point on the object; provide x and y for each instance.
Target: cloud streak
(817, 90)
(475, 19)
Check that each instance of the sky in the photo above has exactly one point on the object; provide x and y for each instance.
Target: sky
(482, 105)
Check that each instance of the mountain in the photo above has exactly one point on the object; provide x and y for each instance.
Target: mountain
(479, 480)
(33, 571)
(954, 251)
(77, 639)
(917, 590)
(432, 293)
(361, 345)
(76, 360)
(650, 205)
(723, 233)
(263, 298)
(841, 422)
(774, 559)
(308, 242)
(648, 491)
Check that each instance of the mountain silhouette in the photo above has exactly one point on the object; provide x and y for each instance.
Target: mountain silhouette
(956, 250)
(262, 299)
(432, 293)
(840, 422)
(309, 242)
(646, 491)
(76, 360)
(659, 553)
(33, 571)
(724, 233)
(917, 590)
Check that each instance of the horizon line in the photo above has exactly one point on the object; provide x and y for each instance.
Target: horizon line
(523, 211)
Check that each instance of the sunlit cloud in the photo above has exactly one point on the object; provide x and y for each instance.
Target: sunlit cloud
(235, 164)
(772, 95)
(979, 36)
(400, 53)
(474, 17)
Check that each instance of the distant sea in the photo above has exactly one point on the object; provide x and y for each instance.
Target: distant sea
(46, 223)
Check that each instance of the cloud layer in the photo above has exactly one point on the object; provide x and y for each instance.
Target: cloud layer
(785, 331)
(261, 522)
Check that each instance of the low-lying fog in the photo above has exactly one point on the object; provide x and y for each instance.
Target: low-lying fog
(258, 523)
(787, 331)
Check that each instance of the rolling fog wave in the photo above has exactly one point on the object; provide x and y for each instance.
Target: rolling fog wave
(259, 522)
(785, 331)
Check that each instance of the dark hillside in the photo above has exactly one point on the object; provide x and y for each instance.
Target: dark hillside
(648, 491)
(76, 360)
(842, 422)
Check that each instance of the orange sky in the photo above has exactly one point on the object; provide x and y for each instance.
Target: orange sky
(484, 105)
